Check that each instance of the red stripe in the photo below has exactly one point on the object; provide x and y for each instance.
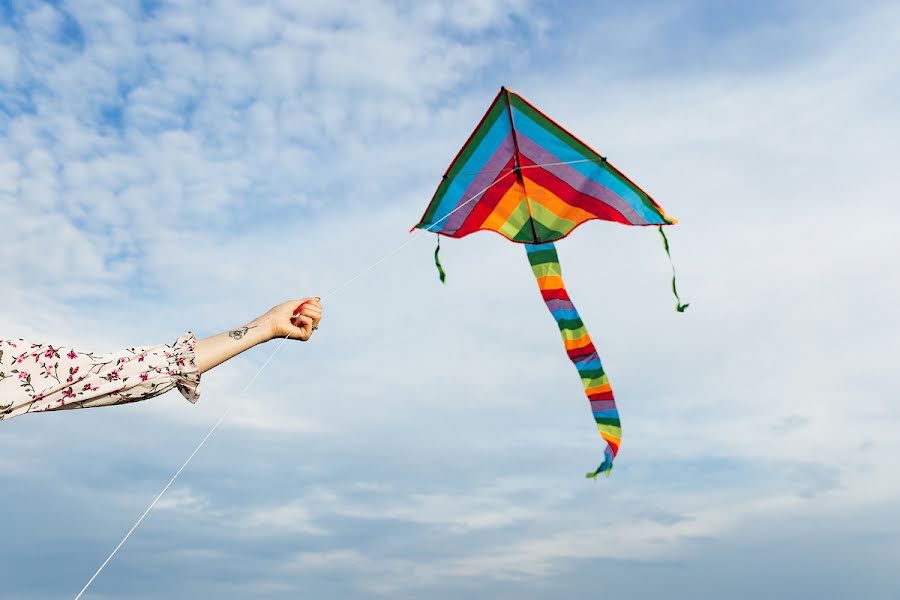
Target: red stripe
(601, 396)
(579, 352)
(485, 205)
(609, 164)
(559, 294)
(570, 195)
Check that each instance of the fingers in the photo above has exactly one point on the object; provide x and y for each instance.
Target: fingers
(304, 327)
(306, 302)
(312, 308)
(314, 313)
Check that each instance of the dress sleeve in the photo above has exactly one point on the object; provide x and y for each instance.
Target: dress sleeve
(42, 377)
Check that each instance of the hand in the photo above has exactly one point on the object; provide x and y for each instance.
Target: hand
(295, 319)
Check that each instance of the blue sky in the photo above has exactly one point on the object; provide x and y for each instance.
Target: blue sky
(174, 166)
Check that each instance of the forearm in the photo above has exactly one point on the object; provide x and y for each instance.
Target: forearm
(213, 351)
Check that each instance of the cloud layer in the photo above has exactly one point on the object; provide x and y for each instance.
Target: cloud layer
(172, 166)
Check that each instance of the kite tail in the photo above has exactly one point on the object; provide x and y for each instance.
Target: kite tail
(678, 305)
(545, 265)
(437, 261)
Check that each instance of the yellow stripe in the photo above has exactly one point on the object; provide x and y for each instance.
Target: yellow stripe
(545, 269)
(596, 382)
(553, 212)
(607, 433)
(573, 334)
(508, 204)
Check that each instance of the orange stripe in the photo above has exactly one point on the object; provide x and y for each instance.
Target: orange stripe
(550, 282)
(613, 441)
(556, 205)
(507, 205)
(579, 343)
(600, 388)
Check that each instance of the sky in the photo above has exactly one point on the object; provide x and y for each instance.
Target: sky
(174, 166)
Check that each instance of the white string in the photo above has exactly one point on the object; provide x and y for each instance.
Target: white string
(252, 379)
(553, 164)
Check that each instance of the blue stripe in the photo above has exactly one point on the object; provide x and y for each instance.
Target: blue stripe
(589, 365)
(607, 414)
(483, 153)
(565, 314)
(564, 152)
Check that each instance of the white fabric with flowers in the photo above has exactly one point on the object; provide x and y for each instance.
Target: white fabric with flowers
(43, 377)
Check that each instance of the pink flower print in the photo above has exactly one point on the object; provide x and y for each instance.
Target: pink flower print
(113, 375)
(49, 353)
(72, 355)
(68, 393)
(23, 375)
(180, 362)
(143, 377)
(141, 358)
(86, 387)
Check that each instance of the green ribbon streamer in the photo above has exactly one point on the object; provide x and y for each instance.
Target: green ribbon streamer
(437, 261)
(678, 305)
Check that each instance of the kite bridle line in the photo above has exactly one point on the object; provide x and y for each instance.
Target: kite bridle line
(274, 352)
(600, 160)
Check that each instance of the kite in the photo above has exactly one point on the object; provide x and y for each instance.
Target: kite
(523, 176)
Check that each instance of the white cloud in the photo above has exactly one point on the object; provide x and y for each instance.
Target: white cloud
(190, 169)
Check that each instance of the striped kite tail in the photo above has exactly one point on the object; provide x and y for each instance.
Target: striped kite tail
(545, 265)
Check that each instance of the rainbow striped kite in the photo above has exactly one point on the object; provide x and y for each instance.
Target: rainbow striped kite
(528, 179)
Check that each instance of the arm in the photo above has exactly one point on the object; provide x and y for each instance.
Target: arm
(296, 319)
(42, 377)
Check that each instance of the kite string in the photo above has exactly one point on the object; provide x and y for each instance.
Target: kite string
(257, 374)
(178, 472)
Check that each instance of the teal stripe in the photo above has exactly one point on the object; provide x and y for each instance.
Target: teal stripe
(552, 144)
(482, 153)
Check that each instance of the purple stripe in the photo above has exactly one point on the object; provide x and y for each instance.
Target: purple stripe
(488, 174)
(586, 358)
(576, 180)
(598, 405)
(554, 304)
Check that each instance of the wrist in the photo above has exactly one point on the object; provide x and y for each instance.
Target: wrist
(265, 328)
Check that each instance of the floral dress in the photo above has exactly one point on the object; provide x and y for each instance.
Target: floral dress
(42, 377)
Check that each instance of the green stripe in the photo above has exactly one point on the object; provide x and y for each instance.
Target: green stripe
(560, 133)
(494, 112)
(592, 374)
(570, 324)
(526, 232)
(542, 257)
(608, 421)
(567, 138)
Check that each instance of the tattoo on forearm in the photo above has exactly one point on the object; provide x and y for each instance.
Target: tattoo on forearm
(239, 333)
